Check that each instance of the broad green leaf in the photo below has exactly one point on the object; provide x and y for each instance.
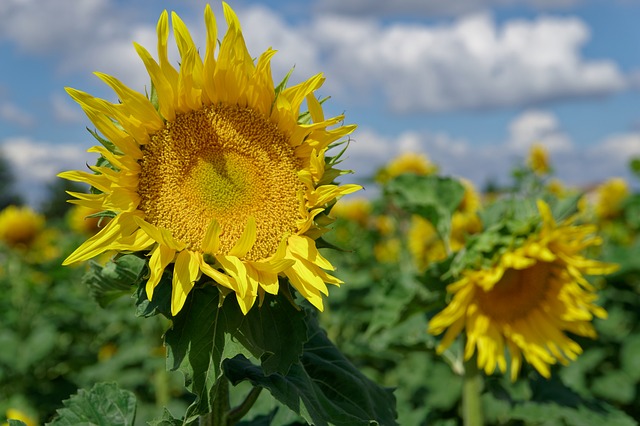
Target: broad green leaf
(615, 386)
(104, 405)
(274, 333)
(13, 422)
(630, 357)
(195, 345)
(432, 197)
(167, 419)
(115, 279)
(324, 388)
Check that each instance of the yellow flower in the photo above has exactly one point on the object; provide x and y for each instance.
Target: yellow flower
(609, 198)
(355, 209)
(527, 301)
(539, 159)
(20, 226)
(80, 222)
(15, 414)
(418, 164)
(220, 178)
(387, 251)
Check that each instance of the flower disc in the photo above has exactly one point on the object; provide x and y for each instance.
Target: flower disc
(225, 163)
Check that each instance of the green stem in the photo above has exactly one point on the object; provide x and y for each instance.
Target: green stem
(241, 410)
(471, 391)
(220, 405)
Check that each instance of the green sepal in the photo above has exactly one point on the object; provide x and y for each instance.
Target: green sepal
(433, 197)
(115, 279)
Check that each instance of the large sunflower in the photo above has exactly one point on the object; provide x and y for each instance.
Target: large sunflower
(527, 301)
(214, 173)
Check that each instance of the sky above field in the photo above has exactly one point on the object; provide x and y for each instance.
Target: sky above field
(470, 83)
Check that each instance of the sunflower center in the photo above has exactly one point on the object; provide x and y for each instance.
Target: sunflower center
(517, 292)
(225, 163)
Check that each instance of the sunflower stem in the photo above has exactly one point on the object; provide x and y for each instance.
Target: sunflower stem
(220, 405)
(241, 410)
(471, 391)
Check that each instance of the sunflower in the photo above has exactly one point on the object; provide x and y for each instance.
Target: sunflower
(527, 301)
(409, 162)
(217, 172)
(539, 159)
(20, 226)
(610, 196)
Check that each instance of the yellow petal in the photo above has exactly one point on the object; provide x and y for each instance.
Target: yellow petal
(185, 273)
(246, 240)
(161, 256)
(211, 241)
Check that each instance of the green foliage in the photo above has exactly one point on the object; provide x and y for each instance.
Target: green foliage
(104, 405)
(324, 388)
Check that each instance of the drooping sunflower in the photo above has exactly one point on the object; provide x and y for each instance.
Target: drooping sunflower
(220, 176)
(527, 301)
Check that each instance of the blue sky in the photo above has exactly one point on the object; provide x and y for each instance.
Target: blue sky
(471, 83)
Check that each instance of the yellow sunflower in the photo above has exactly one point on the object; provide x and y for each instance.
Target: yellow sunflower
(539, 159)
(20, 226)
(409, 162)
(219, 177)
(527, 301)
(609, 198)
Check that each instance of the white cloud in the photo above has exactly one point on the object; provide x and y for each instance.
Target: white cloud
(12, 114)
(429, 7)
(575, 165)
(537, 126)
(64, 110)
(36, 163)
(470, 64)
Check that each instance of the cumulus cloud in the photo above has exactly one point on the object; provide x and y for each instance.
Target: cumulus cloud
(64, 110)
(537, 126)
(36, 163)
(12, 114)
(574, 164)
(430, 8)
(471, 64)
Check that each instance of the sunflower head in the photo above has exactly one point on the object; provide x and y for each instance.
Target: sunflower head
(218, 173)
(525, 297)
(539, 159)
(415, 163)
(609, 198)
(20, 226)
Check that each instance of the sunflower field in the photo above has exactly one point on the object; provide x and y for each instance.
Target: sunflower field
(212, 269)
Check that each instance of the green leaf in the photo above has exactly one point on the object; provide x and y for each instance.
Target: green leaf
(324, 388)
(104, 405)
(167, 419)
(616, 386)
(115, 279)
(630, 356)
(204, 334)
(13, 422)
(275, 333)
(433, 197)
(195, 345)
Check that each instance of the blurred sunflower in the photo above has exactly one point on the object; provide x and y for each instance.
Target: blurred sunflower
(221, 176)
(409, 162)
(82, 221)
(539, 159)
(20, 226)
(15, 414)
(355, 209)
(609, 198)
(527, 300)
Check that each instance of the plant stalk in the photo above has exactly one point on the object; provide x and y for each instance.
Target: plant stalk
(471, 390)
(220, 405)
